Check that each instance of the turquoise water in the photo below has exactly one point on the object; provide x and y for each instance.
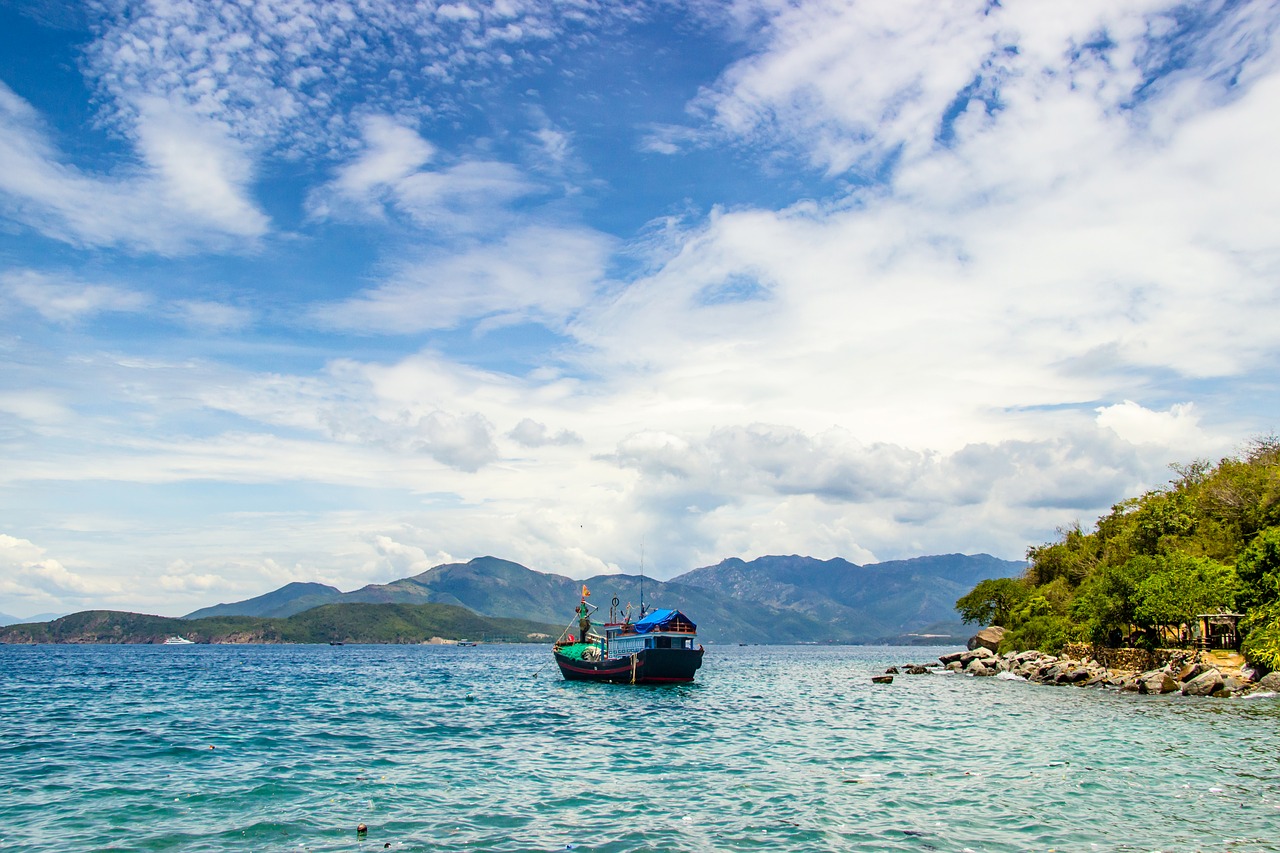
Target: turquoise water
(774, 748)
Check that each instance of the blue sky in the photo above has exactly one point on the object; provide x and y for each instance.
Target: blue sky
(339, 291)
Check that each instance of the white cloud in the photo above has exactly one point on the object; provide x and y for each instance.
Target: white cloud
(27, 573)
(210, 316)
(1177, 427)
(536, 273)
(466, 197)
(273, 72)
(35, 405)
(531, 433)
(67, 301)
(190, 192)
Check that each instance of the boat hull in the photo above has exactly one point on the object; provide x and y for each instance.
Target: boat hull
(650, 666)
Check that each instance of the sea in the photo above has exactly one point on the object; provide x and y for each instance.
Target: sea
(431, 748)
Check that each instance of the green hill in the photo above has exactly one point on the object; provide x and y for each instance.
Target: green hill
(287, 600)
(348, 623)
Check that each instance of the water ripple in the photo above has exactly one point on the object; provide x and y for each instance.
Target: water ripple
(216, 748)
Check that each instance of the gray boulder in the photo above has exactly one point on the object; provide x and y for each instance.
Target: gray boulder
(951, 657)
(987, 638)
(977, 667)
(1072, 675)
(1157, 681)
(1205, 684)
(1189, 671)
(981, 653)
(1270, 681)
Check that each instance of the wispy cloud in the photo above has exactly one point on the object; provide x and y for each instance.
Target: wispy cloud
(64, 300)
(188, 193)
(536, 273)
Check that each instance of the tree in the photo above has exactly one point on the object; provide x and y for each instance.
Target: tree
(1259, 568)
(991, 601)
(1181, 587)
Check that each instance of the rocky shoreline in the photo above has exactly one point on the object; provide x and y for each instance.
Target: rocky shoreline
(1186, 672)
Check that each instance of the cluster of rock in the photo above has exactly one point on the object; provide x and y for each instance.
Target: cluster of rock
(1184, 673)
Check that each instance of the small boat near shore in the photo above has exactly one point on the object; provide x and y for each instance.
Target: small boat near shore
(178, 641)
(659, 648)
(466, 643)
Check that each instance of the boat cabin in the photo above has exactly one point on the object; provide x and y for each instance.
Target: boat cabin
(661, 629)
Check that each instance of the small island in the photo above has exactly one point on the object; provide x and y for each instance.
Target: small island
(331, 623)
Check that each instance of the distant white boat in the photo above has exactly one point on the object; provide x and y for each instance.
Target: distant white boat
(466, 642)
(178, 641)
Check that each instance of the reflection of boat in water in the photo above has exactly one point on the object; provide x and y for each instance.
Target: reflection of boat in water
(466, 642)
(658, 648)
(178, 641)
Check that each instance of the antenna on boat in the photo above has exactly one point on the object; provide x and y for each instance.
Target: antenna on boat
(642, 579)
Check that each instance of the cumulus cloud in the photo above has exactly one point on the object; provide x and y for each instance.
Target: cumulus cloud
(29, 573)
(531, 433)
(1177, 427)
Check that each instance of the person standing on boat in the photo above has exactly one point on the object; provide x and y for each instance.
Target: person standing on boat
(584, 616)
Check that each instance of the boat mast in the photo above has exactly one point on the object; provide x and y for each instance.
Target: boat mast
(642, 579)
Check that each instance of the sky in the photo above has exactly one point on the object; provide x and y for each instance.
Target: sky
(340, 290)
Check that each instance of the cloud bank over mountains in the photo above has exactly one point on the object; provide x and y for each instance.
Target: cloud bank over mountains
(314, 291)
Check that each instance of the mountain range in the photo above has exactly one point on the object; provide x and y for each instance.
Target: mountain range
(6, 619)
(766, 600)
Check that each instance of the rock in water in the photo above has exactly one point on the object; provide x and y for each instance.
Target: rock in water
(1157, 681)
(1205, 684)
(882, 679)
(987, 638)
(1270, 681)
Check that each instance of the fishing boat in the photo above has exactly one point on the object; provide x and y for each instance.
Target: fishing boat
(178, 641)
(466, 643)
(659, 648)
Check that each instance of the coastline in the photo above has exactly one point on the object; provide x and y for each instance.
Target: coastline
(1188, 673)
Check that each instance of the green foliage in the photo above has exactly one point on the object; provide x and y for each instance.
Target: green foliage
(1259, 569)
(1262, 636)
(1181, 587)
(1047, 632)
(1207, 542)
(990, 602)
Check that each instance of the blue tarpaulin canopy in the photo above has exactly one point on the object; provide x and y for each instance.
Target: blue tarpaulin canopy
(659, 620)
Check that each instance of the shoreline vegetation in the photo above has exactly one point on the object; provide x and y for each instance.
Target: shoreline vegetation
(1188, 573)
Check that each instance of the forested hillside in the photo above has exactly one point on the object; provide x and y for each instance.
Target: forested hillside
(1207, 542)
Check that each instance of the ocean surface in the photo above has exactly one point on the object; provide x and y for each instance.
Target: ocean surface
(290, 748)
